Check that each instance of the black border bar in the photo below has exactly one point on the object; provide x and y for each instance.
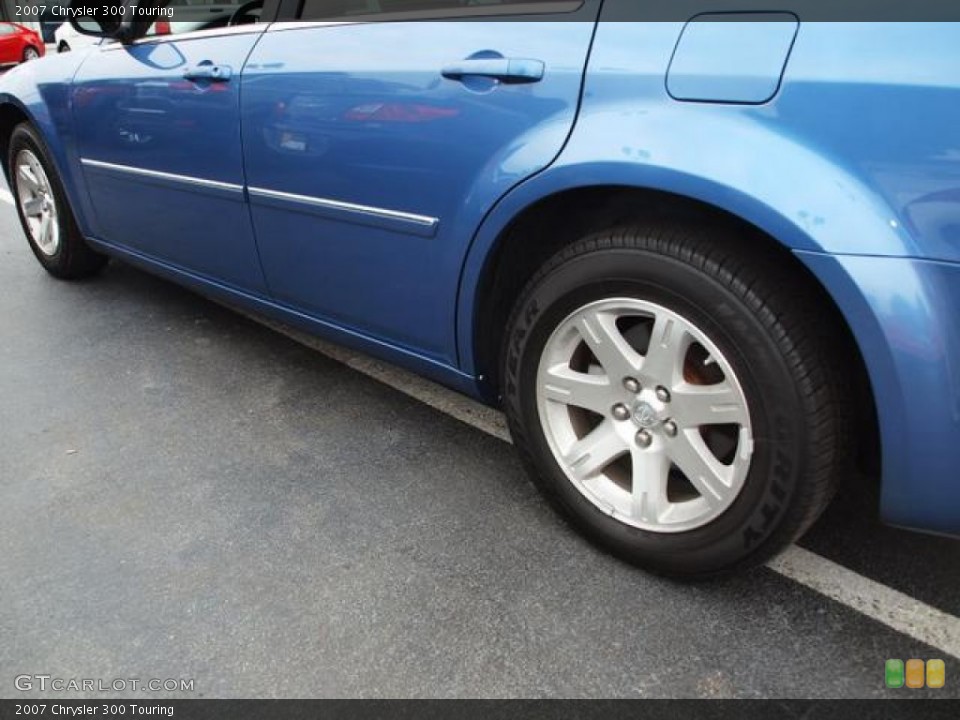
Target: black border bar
(893, 709)
(636, 11)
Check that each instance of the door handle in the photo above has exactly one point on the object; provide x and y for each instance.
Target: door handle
(506, 70)
(208, 71)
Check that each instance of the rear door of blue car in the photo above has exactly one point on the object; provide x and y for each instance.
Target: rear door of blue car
(374, 146)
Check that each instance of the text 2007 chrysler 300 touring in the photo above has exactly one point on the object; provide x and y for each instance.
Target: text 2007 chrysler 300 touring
(706, 264)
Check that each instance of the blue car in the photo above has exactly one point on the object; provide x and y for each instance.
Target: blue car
(709, 266)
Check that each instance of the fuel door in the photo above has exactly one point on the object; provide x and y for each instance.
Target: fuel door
(732, 57)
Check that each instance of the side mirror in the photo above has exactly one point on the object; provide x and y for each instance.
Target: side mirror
(123, 20)
(88, 17)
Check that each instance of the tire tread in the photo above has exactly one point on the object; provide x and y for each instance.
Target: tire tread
(76, 259)
(793, 314)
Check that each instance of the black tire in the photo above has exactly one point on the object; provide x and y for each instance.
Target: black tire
(63, 47)
(30, 53)
(776, 334)
(73, 258)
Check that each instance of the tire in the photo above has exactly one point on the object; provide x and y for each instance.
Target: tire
(63, 47)
(38, 194)
(30, 53)
(701, 454)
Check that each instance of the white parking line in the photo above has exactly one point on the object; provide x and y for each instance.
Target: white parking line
(894, 609)
(884, 604)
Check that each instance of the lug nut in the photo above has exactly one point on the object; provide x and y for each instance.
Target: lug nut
(631, 385)
(644, 439)
(670, 428)
(620, 412)
(663, 395)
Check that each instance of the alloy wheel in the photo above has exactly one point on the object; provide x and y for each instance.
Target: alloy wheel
(37, 203)
(644, 415)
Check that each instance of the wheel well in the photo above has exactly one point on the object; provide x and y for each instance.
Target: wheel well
(547, 226)
(10, 117)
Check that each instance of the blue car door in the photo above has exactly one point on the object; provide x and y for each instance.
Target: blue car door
(374, 148)
(158, 131)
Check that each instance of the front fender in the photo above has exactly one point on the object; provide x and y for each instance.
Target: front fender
(40, 90)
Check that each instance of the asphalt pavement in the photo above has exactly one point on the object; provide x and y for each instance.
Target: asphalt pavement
(188, 494)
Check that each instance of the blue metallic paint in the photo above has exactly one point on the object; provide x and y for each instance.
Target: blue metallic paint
(40, 92)
(134, 107)
(703, 69)
(903, 312)
(422, 225)
(854, 165)
(348, 337)
(386, 130)
(799, 169)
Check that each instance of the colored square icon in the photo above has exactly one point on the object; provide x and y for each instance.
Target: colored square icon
(915, 673)
(936, 674)
(893, 673)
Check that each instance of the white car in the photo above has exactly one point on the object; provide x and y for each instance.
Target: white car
(190, 15)
(66, 38)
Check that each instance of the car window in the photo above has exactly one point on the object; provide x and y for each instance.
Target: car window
(429, 9)
(6, 29)
(189, 15)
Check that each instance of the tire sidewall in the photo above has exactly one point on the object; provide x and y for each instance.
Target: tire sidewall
(24, 138)
(757, 516)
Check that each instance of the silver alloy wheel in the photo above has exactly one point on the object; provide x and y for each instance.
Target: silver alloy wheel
(30, 54)
(37, 202)
(644, 415)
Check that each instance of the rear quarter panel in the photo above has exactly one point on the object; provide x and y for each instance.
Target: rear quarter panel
(856, 158)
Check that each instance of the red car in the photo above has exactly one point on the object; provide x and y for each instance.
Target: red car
(19, 44)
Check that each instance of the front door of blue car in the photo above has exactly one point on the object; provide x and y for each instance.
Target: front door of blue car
(374, 147)
(158, 132)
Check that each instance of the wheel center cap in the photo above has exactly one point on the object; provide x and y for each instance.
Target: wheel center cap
(646, 415)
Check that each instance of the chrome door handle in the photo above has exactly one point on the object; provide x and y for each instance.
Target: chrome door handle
(507, 70)
(208, 71)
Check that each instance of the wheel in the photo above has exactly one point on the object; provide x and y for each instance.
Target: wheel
(30, 53)
(63, 47)
(673, 393)
(43, 209)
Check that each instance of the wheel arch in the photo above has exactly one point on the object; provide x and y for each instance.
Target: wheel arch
(533, 231)
(38, 114)
(11, 115)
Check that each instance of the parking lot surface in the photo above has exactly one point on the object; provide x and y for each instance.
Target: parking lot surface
(185, 493)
